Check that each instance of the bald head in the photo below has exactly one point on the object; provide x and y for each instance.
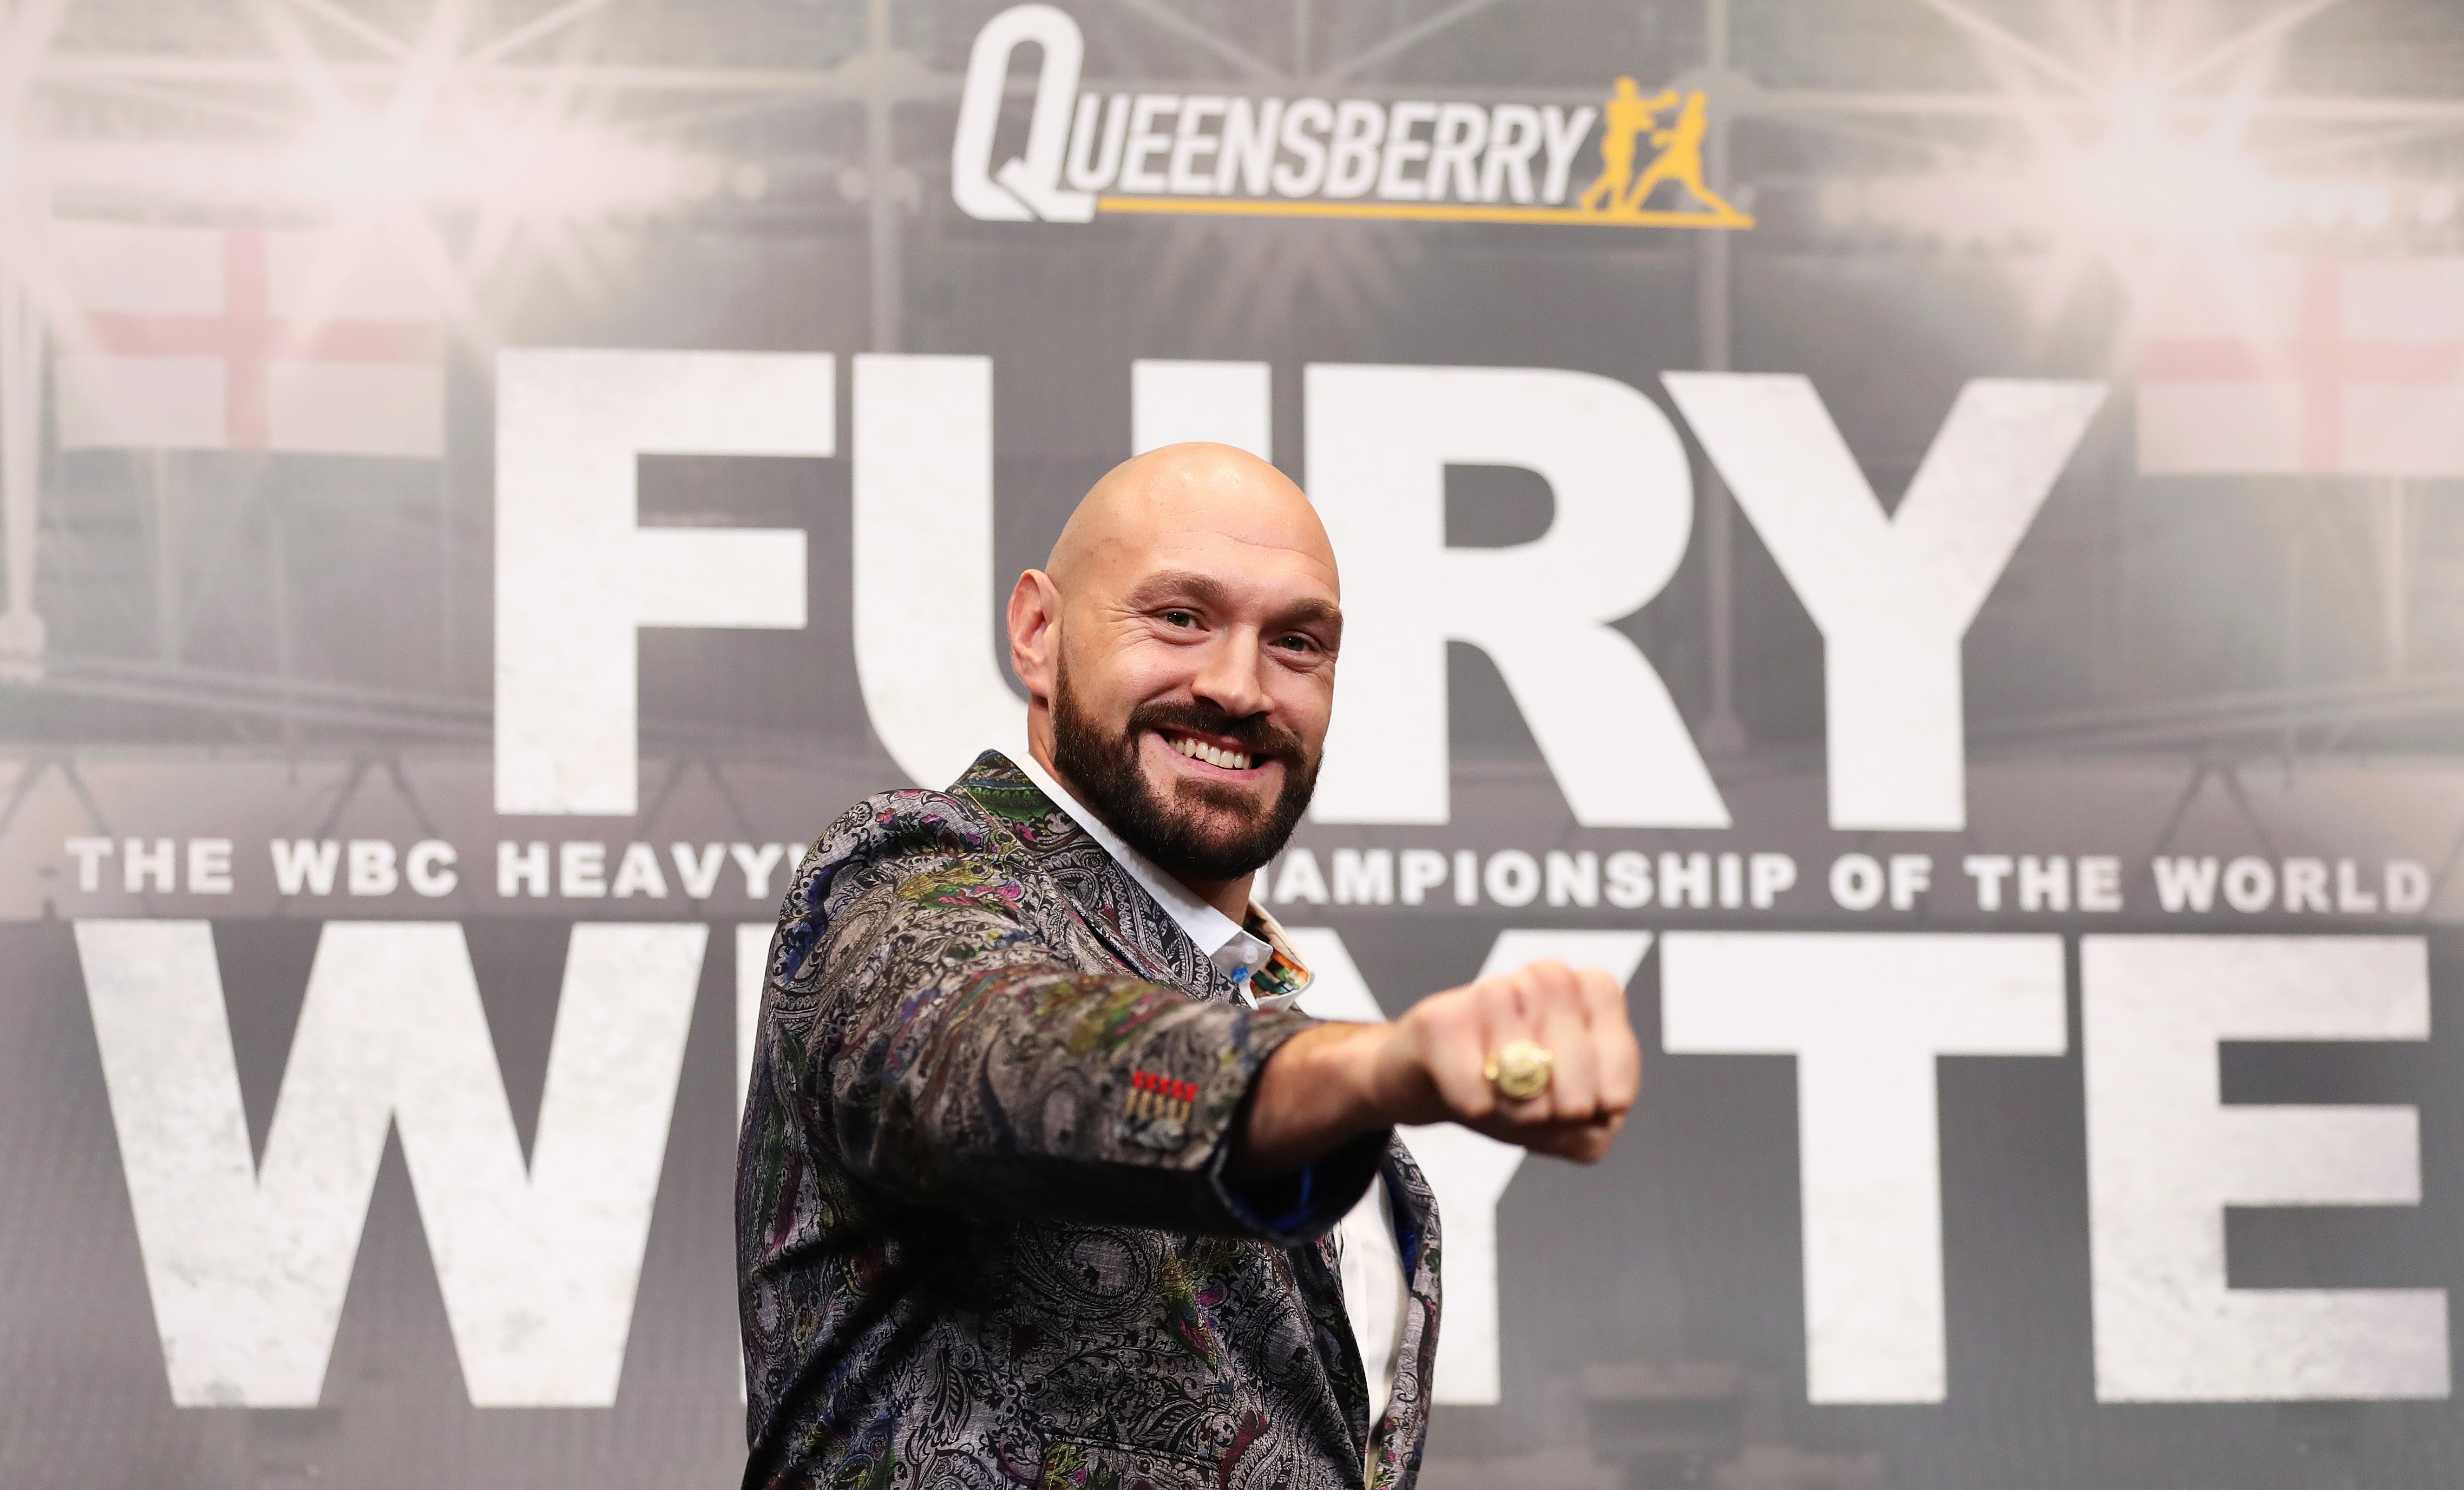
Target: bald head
(1174, 495)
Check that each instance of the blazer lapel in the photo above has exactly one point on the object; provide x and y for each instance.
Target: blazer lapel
(1111, 904)
(1416, 1232)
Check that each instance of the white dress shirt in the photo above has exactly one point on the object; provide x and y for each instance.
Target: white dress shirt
(1374, 1290)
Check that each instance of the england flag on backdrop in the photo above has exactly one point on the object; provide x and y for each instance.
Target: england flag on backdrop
(237, 339)
(2352, 366)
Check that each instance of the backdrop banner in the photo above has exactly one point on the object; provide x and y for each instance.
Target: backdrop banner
(1985, 695)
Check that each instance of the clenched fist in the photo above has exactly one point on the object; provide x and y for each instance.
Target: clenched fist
(1330, 1083)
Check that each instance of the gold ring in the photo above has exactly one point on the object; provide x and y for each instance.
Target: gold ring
(1519, 1069)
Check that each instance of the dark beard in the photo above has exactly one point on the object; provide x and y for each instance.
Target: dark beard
(1180, 840)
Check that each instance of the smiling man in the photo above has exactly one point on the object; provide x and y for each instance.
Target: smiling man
(1045, 1180)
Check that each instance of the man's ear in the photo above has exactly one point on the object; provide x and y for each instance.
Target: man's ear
(1035, 631)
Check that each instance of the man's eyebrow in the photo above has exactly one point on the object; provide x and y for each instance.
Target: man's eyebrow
(1204, 589)
(1180, 584)
(1312, 611)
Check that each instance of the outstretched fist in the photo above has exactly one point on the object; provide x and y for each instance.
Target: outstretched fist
(1543, 1057)
(1456, 1057)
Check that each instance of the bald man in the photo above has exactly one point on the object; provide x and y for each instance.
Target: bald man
(1045, 1180)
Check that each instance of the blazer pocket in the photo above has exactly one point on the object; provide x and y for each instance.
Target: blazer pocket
(1074, 1465)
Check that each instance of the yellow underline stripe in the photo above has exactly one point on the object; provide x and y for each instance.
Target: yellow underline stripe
(1416, 211)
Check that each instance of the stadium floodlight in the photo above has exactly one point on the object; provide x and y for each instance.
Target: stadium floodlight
(477, 159)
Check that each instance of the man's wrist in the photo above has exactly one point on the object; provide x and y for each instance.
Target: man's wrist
(1315, 1093)
(1341, 1063)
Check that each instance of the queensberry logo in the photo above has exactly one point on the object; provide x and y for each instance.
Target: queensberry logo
(1214, 155)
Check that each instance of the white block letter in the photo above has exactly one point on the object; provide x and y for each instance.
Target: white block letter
(752, 961)
(1865, 1014)
(925, 653)
(1380, 441)
(1892, 593)
(2166, 1157)
(248, 1264)
(1228, 403)
(575, 572)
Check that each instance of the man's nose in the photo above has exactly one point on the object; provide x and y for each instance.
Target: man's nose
(1228, 677)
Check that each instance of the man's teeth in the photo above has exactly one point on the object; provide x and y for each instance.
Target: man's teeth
(1199, 750)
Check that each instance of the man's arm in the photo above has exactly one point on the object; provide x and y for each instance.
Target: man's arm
(1332, 1083)
(944, 1051)
(950, 1058)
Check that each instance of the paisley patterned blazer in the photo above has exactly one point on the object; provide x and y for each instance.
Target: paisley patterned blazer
(985, 1237)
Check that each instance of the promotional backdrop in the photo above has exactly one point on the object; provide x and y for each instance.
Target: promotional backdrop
(1918, 533)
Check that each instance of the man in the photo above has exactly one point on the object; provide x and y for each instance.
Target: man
(1627, 117)
(1679, 159)
(1038, 1168)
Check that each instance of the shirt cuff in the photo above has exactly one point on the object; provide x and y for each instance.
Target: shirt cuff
(1292, 1208)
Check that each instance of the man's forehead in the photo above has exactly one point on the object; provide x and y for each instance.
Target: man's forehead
(1257, 559)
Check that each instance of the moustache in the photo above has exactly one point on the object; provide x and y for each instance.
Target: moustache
(1256, 733)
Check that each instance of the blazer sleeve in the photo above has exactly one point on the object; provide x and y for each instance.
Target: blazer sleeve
(952, 1057)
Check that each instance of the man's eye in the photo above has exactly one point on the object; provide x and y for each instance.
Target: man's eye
(1296, 644)
(1179, 618)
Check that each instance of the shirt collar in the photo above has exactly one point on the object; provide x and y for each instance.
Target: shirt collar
(1237, 952)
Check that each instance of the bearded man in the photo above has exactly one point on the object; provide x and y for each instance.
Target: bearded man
(1044, 1180)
